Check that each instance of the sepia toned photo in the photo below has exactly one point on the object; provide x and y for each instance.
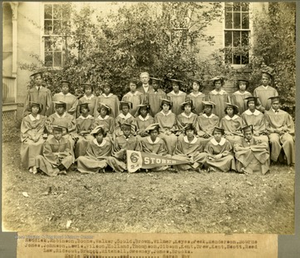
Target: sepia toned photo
(149, 117)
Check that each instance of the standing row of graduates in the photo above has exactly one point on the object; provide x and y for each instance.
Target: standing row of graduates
(152, 95)
(274, 125)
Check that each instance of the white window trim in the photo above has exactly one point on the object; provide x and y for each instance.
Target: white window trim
(239, 66)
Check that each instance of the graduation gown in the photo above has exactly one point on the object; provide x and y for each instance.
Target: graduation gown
(118, 160)
(96, 156)
(121, 119)
(154, 100)
(135, 99)
(83, 124)
(238, 98)
(283, 122)
(31, 129)
(264, 93)
(39, 95)
(183, 120)
(205, 125)
(108, 122)
(54, 153)
(232, 127)
(71, 101)
(110, 100)
(167, 124)
(190, 150)
(142, 123)
(252, 156)
(177, 100)
(256, 119)
(197, 101)
(220, 98)
(224, 163)
(92, 102)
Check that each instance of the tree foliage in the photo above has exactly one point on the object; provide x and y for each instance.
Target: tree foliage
(275, 46)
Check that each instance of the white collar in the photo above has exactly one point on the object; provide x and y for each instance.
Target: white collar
(177, 94)
(146, 85)
(227, 117)
(196, 95)
(221, 143)
(150, 141)
(68, 94)
(37, 87)
(255, 113)
(165, 114)
(187, 141)
(63, 115)
(32, 118)
(132, 94)
(221, 92)
(144, 119)
(265, 86)
(125, 117)
(275, 111)
(107, 96)
(88, 117)
(212, 115)
(187, 116)
(101, 118)
(242, 93)
(99, 145)
(90, 97)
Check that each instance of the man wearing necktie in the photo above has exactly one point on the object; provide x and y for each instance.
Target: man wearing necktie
(38, 94)
(145, 88)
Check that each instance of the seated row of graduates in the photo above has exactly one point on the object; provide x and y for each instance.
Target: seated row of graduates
(151, 93)
(275, 125)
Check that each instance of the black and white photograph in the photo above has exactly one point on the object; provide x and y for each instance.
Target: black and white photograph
(149, 117)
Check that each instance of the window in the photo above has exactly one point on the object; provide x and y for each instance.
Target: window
(55, 24)
(237, 33)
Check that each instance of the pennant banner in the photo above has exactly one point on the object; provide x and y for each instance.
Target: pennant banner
(137, 160)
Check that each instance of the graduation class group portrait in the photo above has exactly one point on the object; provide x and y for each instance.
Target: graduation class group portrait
(149, 117)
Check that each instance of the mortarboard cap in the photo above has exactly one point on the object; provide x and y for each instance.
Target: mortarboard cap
(218, 129)
(152, 127)
(125, 103)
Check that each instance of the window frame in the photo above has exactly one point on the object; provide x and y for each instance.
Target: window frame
(43, 37)
(249, 30)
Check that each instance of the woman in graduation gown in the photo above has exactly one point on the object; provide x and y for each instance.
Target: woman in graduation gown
(167, 123)
(65, 96)
(84, 125)
(32, 130)
(176, 96)
(104, 119)
(89, 98)
(232, 124)
(143, 120)
(219, 153)
(219, 96)
(252, 155)
(196, 96)
(190, 147)
(97, 153)
(187, 116)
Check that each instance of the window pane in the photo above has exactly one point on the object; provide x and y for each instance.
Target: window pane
(57, 59)
(237, 20)
(228, 20)
(228, 38)
(245, 21)
(48, 58)
(48, 27)
(245, 38)
(56, 11)
(236, 38)
(245, 6)
(48, 44)
(48, 11)
(228, 5)
(228, 55)
(57, 27)
(245, 59)
(236, 59)
(236, 6)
